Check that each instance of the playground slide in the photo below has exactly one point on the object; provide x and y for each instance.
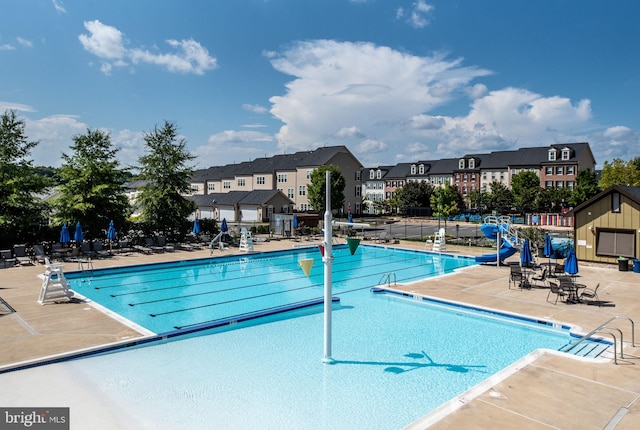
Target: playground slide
(506, 251)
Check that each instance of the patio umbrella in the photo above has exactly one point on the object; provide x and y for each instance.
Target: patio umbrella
(548, 247)
(525, 254)
(196, 226)
(571, 263)
(64, 234)
(111, 235)
(295, 221)
(350, 218)
(78, 236)
(224, 226)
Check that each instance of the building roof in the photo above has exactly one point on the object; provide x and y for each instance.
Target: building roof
(632, 193)
(234, 198)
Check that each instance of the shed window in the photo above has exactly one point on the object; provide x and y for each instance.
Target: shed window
(615, 243)
(615, 202)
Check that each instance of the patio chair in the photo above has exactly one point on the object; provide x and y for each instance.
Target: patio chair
(516, 277)
(591, 294)
(558, 291)
(86, 250)
(99, 249)
(7, 259)
(382, 237)
(20, 254)
(542, 278)
(558, 270)
(163, 243)
(152, 246)
(39, 254)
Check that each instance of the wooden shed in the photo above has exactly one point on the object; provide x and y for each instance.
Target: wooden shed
(607, 226)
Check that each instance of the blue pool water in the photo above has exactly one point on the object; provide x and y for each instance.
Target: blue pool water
(397, 358)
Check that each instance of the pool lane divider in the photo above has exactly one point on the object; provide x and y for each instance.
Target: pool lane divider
(180, 331)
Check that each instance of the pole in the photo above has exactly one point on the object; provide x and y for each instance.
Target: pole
(328, 260)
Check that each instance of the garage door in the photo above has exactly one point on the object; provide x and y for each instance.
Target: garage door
(228, 214)
(249, 214)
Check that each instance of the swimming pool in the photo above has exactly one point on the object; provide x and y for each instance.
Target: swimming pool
(397, 358)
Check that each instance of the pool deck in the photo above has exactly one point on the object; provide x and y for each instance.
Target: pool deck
(551, 392)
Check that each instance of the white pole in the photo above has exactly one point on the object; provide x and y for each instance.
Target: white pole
(328, 260)
(498, 248)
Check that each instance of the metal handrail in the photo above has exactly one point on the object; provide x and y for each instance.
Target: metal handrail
(387, 277)
(603, 326)
(615, 341)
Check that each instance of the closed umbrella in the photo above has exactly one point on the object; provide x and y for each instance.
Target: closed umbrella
(571, 263)
(350, 219)
(78, 236)
(548, 247)
(111, 235)
(525, 254)
(224, 226)
(196, 226)
(295, 221)
(64, 234)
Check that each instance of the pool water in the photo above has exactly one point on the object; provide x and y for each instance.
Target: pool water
(169, 296)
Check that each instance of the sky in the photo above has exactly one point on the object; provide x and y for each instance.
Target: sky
(393, 81)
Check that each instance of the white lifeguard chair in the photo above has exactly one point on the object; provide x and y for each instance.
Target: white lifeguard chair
(246, 240)
(439, 241)
(54, 285)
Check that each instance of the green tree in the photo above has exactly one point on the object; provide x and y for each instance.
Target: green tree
(620, 172)
(166, 171)
(500, 198)
(445, 202)
(91, 190)
(479, 201)
(316, 190)
(414, 194)
(524, 187)
(22, 212)
(586, 186)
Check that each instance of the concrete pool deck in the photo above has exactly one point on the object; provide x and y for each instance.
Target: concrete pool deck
(551, 392)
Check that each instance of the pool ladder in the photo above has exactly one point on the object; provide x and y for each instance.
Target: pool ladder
(605, 329)
(387, 279)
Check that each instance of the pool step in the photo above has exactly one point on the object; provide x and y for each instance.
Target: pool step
(589, 349)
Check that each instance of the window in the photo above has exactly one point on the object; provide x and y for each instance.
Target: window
(302, 190)
(570, 185)
(559, 170)
(571, 170)
(464, 177)
(260, 180)
(565, 154)
(461, 163)
(472, 163)
(379, 174)
(484, 176)
(358, 175)
(358, 190)
(552, 155)
(615, 202)
(548, 184)
(400, 183)
(309, 174)
(282, 177)
(615, 243)
(211, 186)
(421, 169)
(226, 185)
(473, 176)
(372, 174)
(548, 171)
(242, 182)
(559, 184)
(413, 169)
(194, 188)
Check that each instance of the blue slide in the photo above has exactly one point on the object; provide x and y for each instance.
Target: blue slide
(506, 249)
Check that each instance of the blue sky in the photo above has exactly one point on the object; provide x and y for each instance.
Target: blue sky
(394, 81)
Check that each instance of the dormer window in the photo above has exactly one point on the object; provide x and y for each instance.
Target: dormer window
(372, 174)
(565, 154)
(413, 169)
(421, 169)
(472, 163)
(461, 163)
(379, 174)
(552, 154)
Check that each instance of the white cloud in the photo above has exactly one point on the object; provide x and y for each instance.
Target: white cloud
(255, 108)
(419, 16)
(55, 134)
(24, 42)
(371, 145)
(232, 146)
(7, 47)
(19, 107)
(57, 5)
(108, 44)
(352, 132)
(476, 91)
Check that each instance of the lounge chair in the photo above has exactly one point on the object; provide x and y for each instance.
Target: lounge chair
(590, 293)
(20, 254)
(143, 249)
(184, 246)
(558, 291)
(163, 243)
(123, 247)
(152, 246)
(382, 237)
(86, 250)
(99, 249)
(7, 259)
(39, 254)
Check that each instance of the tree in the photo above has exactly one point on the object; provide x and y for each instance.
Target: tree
(22, 212)
(414, 194)
(525, 186)
(91, 190)
(500, 198)
(165, 170)
(316, 190)
(446, 202)
(586, 186)
(620, 172)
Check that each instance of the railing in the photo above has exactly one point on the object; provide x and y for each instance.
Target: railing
(601, 329)
(387, 278)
